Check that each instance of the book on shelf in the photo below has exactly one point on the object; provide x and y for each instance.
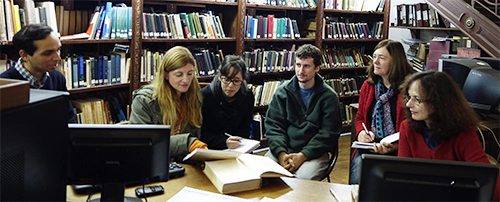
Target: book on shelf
(346, 86)
(4, 65)
(182, 26)
(89, 71)
(235, 172)
(3, 28)
(9, 19)
(98, 111)
(50, 14)
(419, 15)
(286, 3)
(16, 18)
(91, 111)
(277, 28)
(369, 145)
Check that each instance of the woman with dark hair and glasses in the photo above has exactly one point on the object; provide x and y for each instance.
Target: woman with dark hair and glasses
(380, 109)
(227, 106)
(440, 124)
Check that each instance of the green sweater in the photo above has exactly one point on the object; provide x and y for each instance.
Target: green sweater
(312, 130)
(146, 110)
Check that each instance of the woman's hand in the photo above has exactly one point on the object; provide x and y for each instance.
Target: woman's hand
(233, 142)
(363, 137)
(384, 147)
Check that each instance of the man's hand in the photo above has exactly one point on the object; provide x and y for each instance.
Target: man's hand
(384, 147)
(295, 160)
(284, 162)
(233, 142)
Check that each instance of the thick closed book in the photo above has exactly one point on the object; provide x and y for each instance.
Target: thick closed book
(242, 173)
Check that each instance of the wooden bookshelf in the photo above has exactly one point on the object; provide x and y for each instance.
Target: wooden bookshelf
(235, 43)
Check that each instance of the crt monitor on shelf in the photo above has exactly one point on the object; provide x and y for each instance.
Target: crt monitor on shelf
(477, 80)
(115, 155)
(391, 178)
(493, 62)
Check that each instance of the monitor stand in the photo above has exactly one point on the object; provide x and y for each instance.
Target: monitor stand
(115, 191)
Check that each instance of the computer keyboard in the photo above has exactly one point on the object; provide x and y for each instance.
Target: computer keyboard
(175, 171)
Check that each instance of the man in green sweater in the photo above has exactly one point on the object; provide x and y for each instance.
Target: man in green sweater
(303, 120)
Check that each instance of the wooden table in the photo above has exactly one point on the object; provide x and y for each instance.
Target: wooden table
(282, 189)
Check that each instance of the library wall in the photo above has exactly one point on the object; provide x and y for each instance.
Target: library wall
(129, 50)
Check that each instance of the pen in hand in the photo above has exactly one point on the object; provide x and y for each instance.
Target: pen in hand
(229, 135)
(335, 195)
(366, 130)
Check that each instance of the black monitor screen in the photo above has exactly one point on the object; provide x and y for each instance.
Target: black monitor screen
(104, 153)
(390, 178)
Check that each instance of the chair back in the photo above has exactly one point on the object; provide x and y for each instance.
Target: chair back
(334, 153)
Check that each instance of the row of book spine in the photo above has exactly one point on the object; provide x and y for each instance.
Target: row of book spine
(72, 21)
(416, 62)
(419, 15)
(13, 16)
(270, 27)
(89, 71)
(286, 3)
(360, 30)
(207, 62)
(344, 57)
(346, 113)
(347, 86)
(262, 61)
(111, 22)
(263, 94)
(356, 5)
(99, 111)
(182, 26)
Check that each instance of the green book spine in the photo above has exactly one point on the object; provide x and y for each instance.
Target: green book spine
(113, 22)
(191, 26)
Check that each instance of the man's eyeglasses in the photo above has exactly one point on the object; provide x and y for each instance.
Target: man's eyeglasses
(226, 80)
(414, 100)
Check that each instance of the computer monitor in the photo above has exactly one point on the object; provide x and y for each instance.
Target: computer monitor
(391, 178)
(33, 151)
(493, 62)
(478, 81)
(115, 155)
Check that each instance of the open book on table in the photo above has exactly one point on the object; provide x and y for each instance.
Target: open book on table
(369, 145)
(237, 171)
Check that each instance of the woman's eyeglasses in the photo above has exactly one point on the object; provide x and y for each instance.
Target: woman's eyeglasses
(226, 80)
(414, 100)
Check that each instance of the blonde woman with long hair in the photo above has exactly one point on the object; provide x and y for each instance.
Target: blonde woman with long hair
(173, 99)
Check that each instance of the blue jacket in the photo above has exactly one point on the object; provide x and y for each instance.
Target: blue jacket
(312, 130)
